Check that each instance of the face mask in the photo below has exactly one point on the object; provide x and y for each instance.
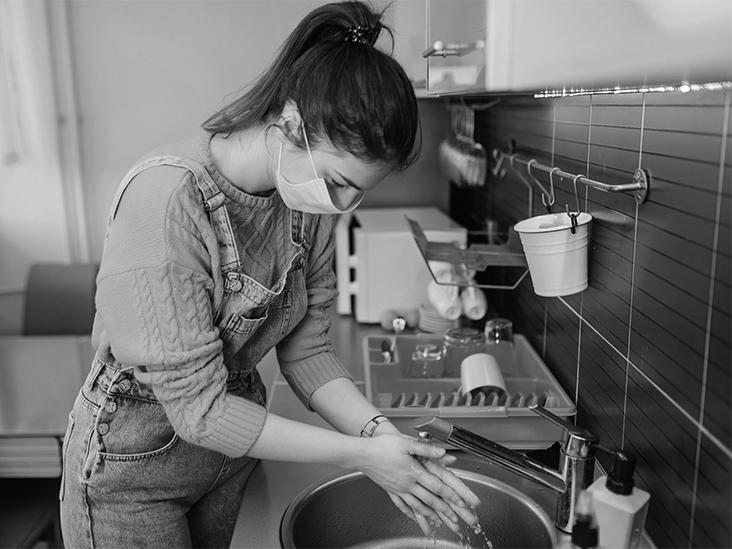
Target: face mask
(309, 196)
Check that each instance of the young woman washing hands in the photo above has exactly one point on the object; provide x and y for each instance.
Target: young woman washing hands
(217, 250)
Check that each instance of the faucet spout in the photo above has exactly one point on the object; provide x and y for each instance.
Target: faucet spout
(575, 474)
(435, 427)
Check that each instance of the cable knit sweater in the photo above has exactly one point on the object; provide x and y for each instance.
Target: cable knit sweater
(159, 285)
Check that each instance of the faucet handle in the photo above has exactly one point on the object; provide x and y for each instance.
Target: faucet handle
(578, 438)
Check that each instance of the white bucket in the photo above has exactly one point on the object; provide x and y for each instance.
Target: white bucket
(557, 258)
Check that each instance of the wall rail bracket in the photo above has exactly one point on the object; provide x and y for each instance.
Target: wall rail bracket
(640, 187)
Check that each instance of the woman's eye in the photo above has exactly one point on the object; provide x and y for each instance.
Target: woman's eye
(334, 183)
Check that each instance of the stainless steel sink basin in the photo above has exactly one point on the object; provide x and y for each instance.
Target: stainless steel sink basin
(349, 510)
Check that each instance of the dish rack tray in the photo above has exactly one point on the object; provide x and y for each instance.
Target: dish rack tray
(501, 417)
(508, 259)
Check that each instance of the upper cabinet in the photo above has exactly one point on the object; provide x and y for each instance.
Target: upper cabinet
(532, 46)
(456, 45)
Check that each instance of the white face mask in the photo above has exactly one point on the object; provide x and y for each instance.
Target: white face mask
(309, 196)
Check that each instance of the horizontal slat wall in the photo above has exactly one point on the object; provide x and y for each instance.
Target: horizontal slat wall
(645, 350)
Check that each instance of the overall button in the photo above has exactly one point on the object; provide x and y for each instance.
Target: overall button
(124, 385)
(103, 428)
(233, 283)
(110, 406)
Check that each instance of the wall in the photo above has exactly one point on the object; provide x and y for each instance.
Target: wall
(645, 350)
(148, 72)
(32, 214)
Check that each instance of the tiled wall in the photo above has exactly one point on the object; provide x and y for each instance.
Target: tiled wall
(645, 350)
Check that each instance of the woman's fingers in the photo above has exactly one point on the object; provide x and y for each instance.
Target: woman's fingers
(446, 460)
(435, 502)
(403, 507)
(451, 524)
(437, 486)
(420, 518)
(419, 506)
(449, 478)
(424, 524)
(421, 448)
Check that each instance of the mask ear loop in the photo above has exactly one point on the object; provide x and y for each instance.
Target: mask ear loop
(574, 215)
(310, 154)
(551, 201)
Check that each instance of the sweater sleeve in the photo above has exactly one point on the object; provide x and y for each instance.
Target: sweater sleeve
(306, 356)
(154, 296)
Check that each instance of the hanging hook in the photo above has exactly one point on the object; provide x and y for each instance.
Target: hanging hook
(551, 187)
(544, 192)
(576, 194)
(574, 215)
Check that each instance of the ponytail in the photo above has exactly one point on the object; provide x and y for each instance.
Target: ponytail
(347, 91)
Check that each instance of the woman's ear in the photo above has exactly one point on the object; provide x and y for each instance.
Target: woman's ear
(290, 121)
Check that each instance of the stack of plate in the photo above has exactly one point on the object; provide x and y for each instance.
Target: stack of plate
(431, 321)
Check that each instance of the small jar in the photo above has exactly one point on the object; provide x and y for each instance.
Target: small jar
(427, 361)
(460, 343)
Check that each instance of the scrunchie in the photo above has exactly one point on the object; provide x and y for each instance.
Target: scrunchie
(360, 34)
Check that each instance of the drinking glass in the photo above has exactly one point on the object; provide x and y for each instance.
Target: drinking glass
(427, 361)
(498, 330)
(460, 343)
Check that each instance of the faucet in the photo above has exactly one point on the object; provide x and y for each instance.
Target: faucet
(576, 468)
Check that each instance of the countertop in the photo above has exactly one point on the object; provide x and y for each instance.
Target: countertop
(274, 484)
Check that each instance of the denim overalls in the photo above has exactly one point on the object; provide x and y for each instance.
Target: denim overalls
(128, 479)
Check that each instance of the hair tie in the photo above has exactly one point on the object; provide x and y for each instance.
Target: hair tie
(360, 34)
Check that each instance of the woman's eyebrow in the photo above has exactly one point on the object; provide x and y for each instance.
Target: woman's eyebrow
(348, 181)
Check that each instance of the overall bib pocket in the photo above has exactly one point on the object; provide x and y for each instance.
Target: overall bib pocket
(237, 330)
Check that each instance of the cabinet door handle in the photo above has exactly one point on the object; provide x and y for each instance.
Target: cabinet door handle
(439, 48)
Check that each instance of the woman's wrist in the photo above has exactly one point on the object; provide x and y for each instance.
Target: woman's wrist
(370, 427)
(386, 428)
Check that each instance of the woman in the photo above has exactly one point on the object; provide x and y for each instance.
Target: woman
(216, 251)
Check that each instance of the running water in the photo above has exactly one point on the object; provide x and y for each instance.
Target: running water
(467, 543)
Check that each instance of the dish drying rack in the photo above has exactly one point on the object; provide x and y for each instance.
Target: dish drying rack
(503, 417)
(476, 257)
(492, 399)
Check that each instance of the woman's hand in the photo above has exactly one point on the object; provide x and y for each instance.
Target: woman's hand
(413, 473)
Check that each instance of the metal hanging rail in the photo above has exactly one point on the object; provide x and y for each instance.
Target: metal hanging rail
(639, 187)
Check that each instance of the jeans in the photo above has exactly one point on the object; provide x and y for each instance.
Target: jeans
(130, 481)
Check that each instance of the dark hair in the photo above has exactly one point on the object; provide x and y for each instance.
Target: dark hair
(346, 90)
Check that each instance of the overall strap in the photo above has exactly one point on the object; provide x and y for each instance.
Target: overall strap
(213, 201)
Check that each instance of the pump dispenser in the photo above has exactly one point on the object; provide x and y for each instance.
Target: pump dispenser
(620, 507)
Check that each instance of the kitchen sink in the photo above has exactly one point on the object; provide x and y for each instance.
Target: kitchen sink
(350, 510)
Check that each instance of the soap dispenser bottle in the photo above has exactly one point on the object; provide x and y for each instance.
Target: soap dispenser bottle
(620, 507)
